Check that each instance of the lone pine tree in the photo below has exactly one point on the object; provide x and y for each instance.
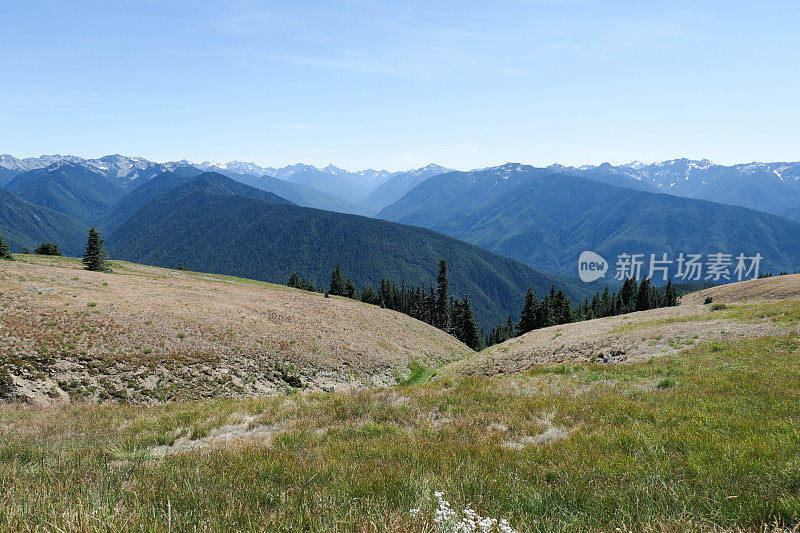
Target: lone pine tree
(95, 255)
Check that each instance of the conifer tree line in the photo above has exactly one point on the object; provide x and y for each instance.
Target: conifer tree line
(770, 274)
(94, 258)
(556, 308)
(433, 305)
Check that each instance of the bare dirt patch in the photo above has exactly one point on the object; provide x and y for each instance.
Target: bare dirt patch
(550, 433)
(243, 432)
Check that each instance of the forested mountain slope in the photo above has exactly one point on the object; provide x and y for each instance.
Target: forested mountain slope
(194, 226)
(25, 225)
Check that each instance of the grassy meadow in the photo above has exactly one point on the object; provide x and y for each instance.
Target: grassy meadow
(708, 439)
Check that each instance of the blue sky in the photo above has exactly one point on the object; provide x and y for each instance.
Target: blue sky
(401, 84)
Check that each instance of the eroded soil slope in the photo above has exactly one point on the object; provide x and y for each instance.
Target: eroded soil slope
(146, 334)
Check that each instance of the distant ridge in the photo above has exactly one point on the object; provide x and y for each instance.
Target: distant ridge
(547, 219)
(771, 187)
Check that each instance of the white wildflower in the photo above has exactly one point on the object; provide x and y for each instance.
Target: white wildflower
(446, 520)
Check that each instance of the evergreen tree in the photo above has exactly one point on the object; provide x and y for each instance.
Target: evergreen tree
(368, 295)
(95, 255)
(607, 304)
(471, 335)
(563, 308)
(430, 307)
(5, 252)
(643, 295)
(586, 310)
(350, 289)
(628, 295)
(404, 299)
(442, 316)
(670, 295)
(655, 298)
(337, 282)
(544, 312)
(299, 282)
(528, 320)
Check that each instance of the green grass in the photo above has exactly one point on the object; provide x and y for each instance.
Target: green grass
(645, 324)
(706, 439)
(417, 376)
(786, 312)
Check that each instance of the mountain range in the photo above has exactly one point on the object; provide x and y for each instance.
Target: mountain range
(542, 217)
(770, 187)
(212, 223)
(330, 188)
(546, 219)
(122, 169)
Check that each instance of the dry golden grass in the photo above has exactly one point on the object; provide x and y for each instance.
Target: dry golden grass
(772, 288)
(146, 334)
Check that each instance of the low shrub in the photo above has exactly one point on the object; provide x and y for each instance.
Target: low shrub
(47, 248)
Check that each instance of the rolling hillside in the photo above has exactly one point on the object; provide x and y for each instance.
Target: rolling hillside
(702, 437)
(145, 334)
(252, 238)
(546, 220)
(137, 197)
(755, 308)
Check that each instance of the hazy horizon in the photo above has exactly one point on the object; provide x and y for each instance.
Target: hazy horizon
(385, 168)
